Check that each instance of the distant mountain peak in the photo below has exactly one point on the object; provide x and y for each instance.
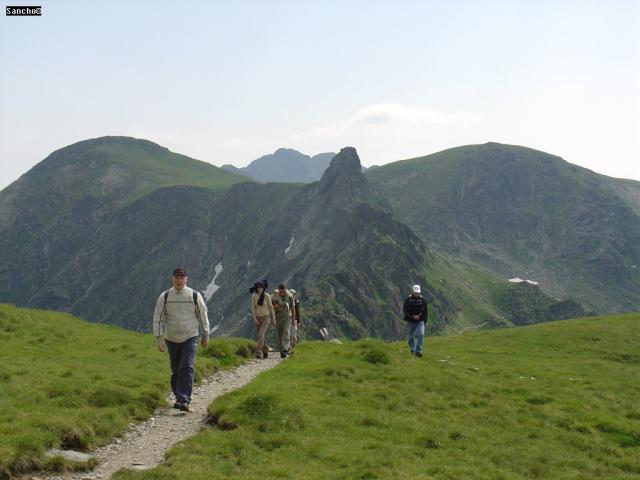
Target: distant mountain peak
(282, 150)
(285, 165)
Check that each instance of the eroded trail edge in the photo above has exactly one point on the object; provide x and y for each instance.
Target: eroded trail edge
(144, 445)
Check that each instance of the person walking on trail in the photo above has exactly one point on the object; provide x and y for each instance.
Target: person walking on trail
(180, 312)
(283, 306)
(262, 311)
(415, 313)
(295, 324)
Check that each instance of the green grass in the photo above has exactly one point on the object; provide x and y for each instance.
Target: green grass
(549, 401)
(164, 169)
(67, 383)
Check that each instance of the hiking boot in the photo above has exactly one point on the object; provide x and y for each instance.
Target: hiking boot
(265, 355)
(184, 407)
(418, 354)
(176, 405)
(283, 354)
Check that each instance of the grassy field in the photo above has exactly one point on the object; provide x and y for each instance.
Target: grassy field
(549, 401)
(67, 383)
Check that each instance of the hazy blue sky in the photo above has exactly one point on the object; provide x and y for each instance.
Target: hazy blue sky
(227, 82)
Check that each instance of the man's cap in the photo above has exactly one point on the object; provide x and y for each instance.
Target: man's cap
(179, 272)
(292, 291)
(416, 289)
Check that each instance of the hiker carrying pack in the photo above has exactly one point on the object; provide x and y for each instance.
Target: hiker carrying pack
(179, 317)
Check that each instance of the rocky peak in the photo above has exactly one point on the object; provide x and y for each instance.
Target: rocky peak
(344, 179)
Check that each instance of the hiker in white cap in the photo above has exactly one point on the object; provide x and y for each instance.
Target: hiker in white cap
(295, 324)
(415, 314)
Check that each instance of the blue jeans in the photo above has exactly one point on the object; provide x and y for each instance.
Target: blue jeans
(416, 329)
(181, 358)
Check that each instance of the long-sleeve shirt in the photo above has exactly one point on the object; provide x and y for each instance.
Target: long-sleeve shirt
(283, 306)
(178, 319)
(264, 310)
(415, 306)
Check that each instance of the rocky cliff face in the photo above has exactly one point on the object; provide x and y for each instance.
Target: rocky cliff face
(350, 261)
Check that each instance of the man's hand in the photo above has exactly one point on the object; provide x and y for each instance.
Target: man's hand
(416, 317)
(255, 322)
(205, 342)
(161, 347)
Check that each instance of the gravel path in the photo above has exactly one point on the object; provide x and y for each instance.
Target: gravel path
(144, 445)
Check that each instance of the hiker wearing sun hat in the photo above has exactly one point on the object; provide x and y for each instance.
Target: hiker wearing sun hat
(415, 314)
(262, 311)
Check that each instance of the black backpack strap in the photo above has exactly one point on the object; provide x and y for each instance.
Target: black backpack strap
(195, 300)
(195, 304)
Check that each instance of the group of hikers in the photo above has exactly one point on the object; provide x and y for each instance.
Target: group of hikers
(282, 311)
(180, 319)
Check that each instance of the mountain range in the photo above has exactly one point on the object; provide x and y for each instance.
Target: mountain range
(97, 227)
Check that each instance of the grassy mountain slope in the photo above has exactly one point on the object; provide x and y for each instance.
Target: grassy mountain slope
(124, 168)
(66, 383)
(547, 401)
(519, 212)
(483, 300)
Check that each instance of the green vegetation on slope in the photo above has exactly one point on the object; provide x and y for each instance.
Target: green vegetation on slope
(557, 400)
(163, 168)
(483, 300)
(70, 384)
(515, 211)
(125, 167)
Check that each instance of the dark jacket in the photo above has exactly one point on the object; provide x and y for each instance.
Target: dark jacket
(415, 306)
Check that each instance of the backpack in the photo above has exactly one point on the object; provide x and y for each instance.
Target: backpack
(195, 298)
(195, 301)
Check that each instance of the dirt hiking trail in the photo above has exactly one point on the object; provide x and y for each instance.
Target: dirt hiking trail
(144, 446)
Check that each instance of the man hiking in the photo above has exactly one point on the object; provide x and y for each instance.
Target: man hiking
(295, 324)
(179, 312)
(283, 306)
(415, 313)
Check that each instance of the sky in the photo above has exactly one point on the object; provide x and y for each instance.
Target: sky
(230, 81)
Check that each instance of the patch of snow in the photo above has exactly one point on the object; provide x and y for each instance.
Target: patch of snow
(286, 250)
(249, 263)
(212, 287)
(519, 280)
(471, 327)
(215, 327)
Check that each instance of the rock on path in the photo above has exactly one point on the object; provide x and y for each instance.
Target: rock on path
(144, 445)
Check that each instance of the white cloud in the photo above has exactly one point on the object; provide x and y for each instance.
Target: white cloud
(395, 112)
(387, 131)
